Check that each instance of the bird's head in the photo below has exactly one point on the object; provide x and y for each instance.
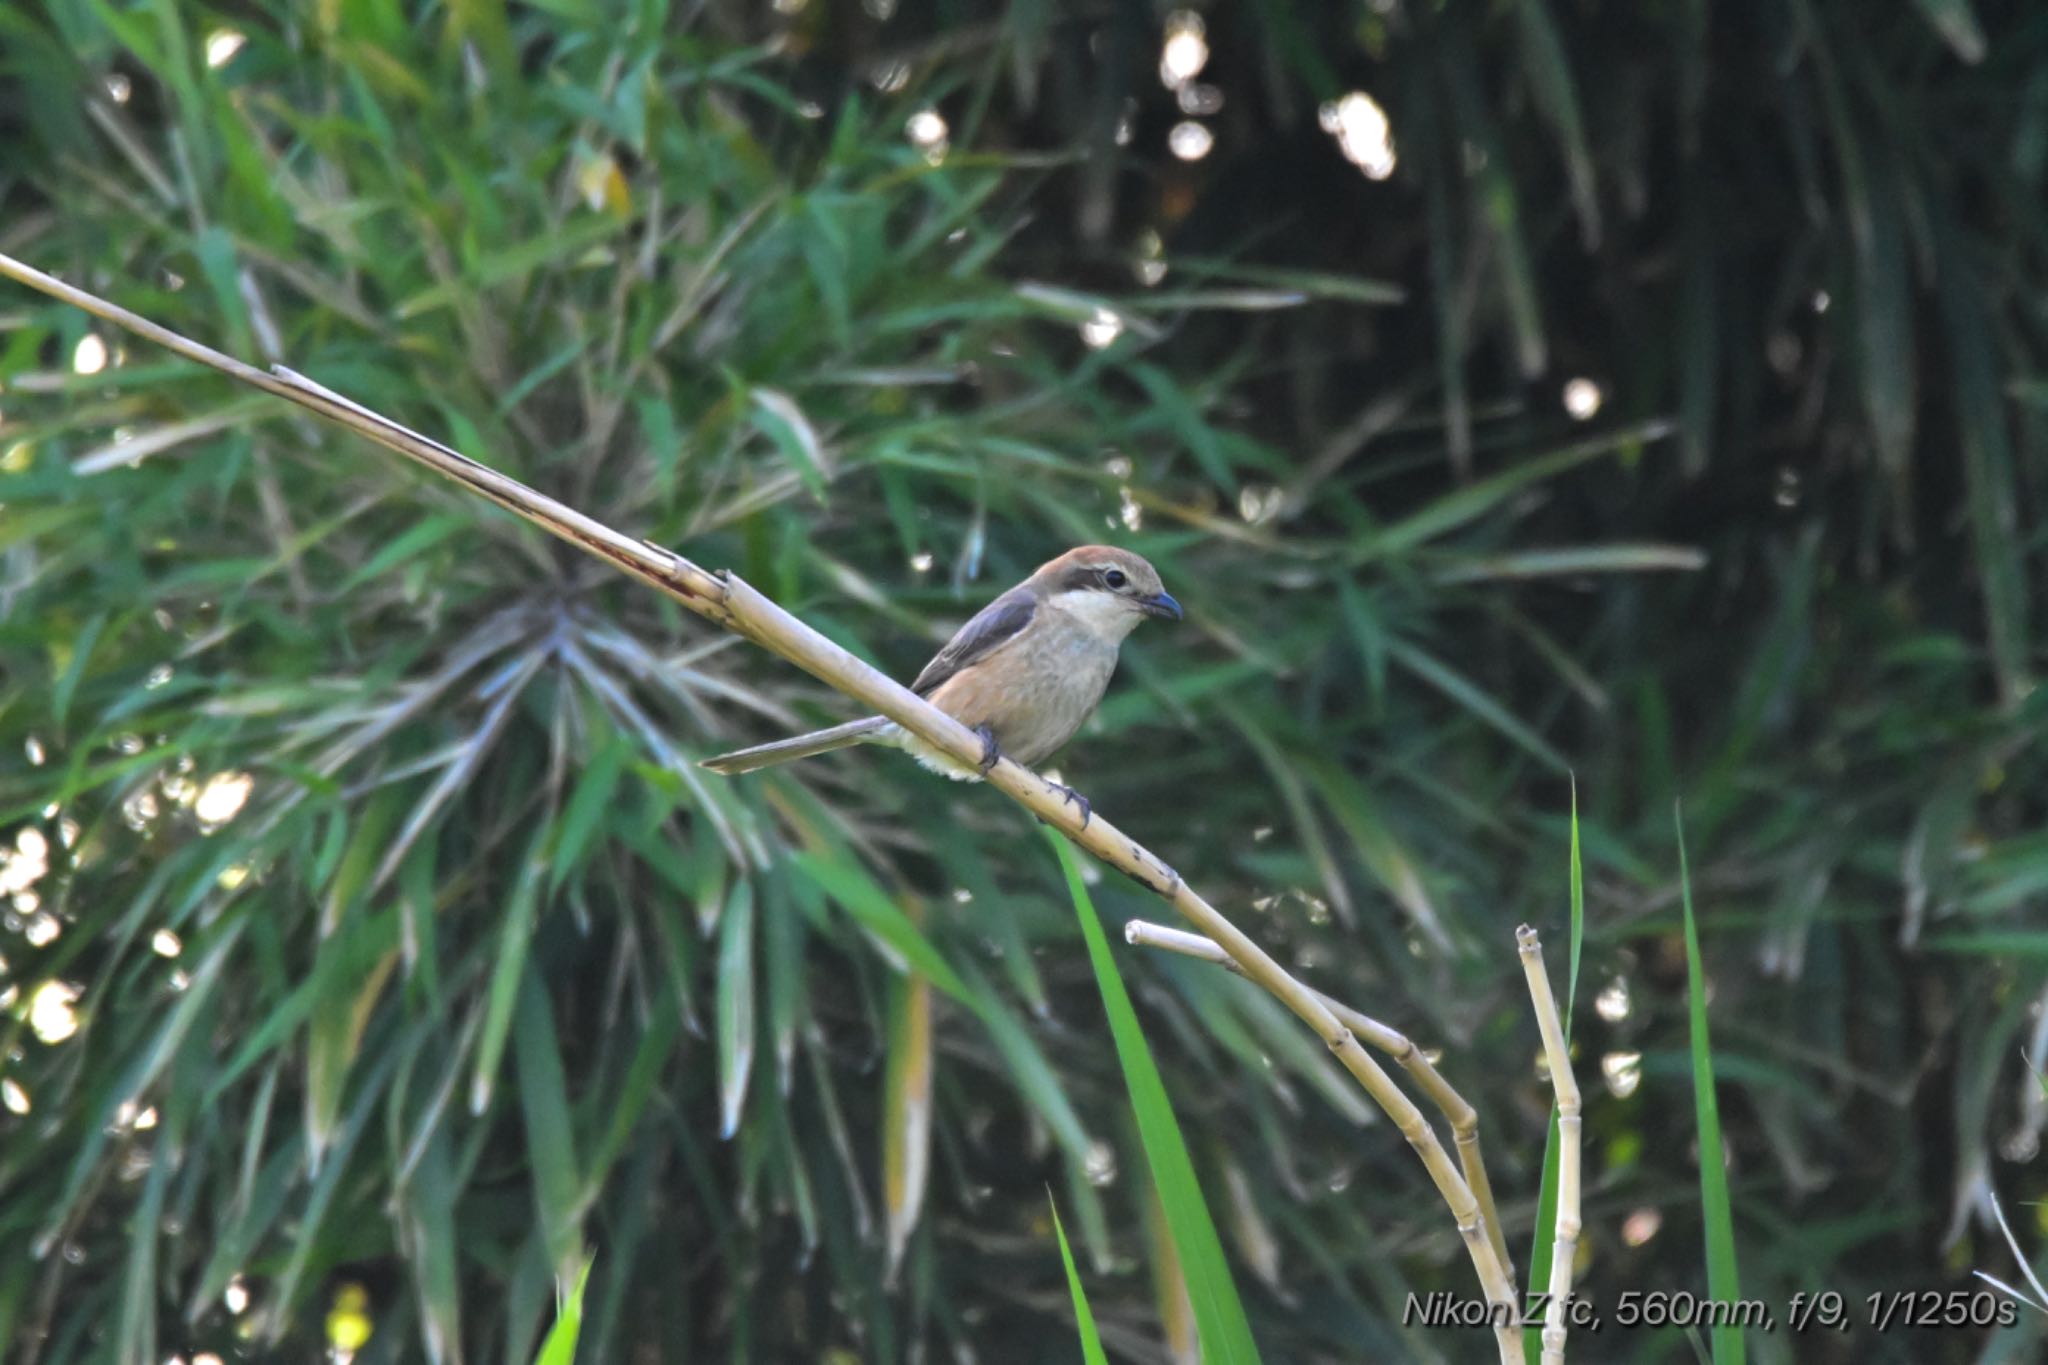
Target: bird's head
(1109, 589)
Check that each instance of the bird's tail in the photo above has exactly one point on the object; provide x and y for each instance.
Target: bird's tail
(803, 746)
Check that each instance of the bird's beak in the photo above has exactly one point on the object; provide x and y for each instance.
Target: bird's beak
(1162, 605)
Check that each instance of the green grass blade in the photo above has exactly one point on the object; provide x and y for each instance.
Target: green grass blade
(513, 941)
(1957, 24)
(1557, 97)
(906, 1113)
(1469, 695)
(735, 1006)
(1084, 1320)
(550, 1136)
(1219, 1315)
(1723, 1282)
(560, 1346)
(858, 894)
(1571, 985)
(593, 802)
(1466, 505)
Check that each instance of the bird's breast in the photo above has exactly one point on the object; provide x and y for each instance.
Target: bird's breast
(1036, 694)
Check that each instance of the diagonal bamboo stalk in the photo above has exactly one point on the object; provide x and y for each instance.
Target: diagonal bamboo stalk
(1557, 1054)
(1461, 1116)
(726, 600)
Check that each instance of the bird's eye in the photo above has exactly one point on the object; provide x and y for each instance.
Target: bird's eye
(1115, 579)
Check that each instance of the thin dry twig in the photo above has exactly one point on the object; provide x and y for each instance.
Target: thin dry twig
(1558, 1056)
(727, 600)
(1461, 1116)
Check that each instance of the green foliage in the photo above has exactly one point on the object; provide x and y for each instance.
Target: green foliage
(376, 953)
(1084, 1317)
(1220, 1324)
(1724, 1280)
(559, 1347)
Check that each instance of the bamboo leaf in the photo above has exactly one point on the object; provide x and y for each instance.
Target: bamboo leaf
(588, 809)
(559, 1347)
(777, 415)
(507, 969)
(421, 537)
(1468, 694)
(1550, 80)
(1723, 1281)
(907, 1112)
(550, 1139)
(1219, 1316)
(1957, 24)
(856, 893)
(66, 686)
(1084, 1319)
(735, 1005)
(1467, 505)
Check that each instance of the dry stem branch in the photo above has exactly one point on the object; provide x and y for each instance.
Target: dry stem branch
(1558, 1056)
(1462, 1117)
(723, 598)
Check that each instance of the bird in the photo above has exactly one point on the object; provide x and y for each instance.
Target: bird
(1024, 673)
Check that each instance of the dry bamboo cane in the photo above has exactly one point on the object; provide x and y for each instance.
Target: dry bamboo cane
(726, 600)
(1461, 1116)
(1558, 1056)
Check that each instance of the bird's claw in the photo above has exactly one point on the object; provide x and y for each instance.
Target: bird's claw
(990, 754)
(1068, 796)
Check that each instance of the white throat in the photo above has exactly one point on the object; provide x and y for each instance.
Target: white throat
(1104, 615)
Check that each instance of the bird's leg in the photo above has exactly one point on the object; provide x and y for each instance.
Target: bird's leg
(989, 752)
(1069, 796)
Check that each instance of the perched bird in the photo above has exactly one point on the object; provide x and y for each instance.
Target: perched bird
(1024, 673)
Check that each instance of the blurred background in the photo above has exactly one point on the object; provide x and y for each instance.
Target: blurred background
(1512, 392)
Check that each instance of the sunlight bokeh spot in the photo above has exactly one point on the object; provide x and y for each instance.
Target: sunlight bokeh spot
(928, 132)
(1100, 1167)
(1185, 51)
(1582, 399)
(1259, 503)
(1363, 133)
(221, 46)
(89, 356)
(51, 1013)
(1190, 141)
(1623, 1072)
(222, 798)
(1640, 1226)
(1102, 328)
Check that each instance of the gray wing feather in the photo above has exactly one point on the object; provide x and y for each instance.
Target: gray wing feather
(994, 626)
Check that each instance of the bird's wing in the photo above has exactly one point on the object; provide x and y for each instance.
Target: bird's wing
(994, 626)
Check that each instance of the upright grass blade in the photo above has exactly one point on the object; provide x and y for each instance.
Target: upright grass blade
(1723, 1282)
(1542, 1243)
(1219, 1315)
(550, 1134)
(560, 1346)
(735, 1006)
(1084, 1320)
(906, 1112)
